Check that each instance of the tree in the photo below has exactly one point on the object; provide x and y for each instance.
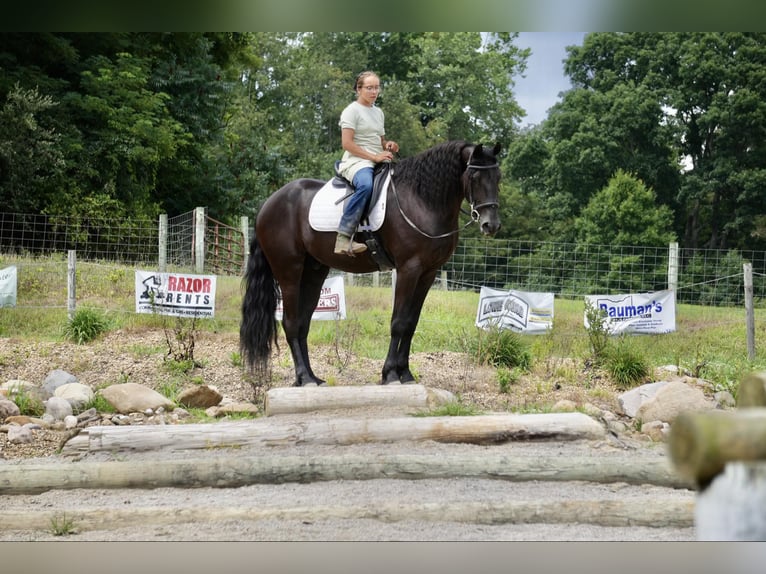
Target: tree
(625, 212)
(31, 160)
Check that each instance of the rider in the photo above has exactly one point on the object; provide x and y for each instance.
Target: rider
(363, 139)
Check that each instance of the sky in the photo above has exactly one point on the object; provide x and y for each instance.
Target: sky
(544, 77)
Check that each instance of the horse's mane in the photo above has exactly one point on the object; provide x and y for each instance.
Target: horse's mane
(433, 174)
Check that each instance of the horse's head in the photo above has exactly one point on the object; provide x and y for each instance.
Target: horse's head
(481, 183)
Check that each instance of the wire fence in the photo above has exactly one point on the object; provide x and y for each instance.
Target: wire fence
(37, 245)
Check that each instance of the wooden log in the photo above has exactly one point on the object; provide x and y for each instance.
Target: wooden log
(487, 429)
(752, 391)
(616, 513)
(285, 400)
(701, 444)
(231, 472)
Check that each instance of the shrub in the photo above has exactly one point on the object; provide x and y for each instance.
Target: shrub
(626, 366)
(502, 348)
(85, 325)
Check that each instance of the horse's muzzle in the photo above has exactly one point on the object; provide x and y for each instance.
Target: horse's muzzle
(490, 227)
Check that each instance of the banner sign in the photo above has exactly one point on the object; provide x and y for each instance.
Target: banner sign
(8, 282)
(175, 294)
(646, 313)
(523, 312)
(332, 301)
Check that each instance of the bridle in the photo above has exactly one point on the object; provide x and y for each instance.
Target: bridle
(474, 213)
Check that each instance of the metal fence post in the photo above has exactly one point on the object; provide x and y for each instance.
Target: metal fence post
(71, 283)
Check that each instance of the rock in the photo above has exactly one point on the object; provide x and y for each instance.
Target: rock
(564, 406)
(77, 394)
(22, 420)
(656, 430)
(20, 435)
(724, 399)
(199, 397)
(132, 397)
(55, 379)
(70, 422)
(8, 409)
(672, 399)
(231, 408)
(632, 400)
(15, 386)
(58, 408)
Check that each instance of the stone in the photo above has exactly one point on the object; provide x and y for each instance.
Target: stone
(231, 408)
(77, 394)
(19, 435)
(564, 406)
(671, 400)
(632, 400)
(55, 379)
(58, 408)
(199, 397)
(131, 398)
(8, 409)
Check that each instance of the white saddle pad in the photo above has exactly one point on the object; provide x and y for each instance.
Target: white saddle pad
(325, 211)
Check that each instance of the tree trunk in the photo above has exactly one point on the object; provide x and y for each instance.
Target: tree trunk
(285, 400)
(487, 429)
(230, 472)
(702, 443)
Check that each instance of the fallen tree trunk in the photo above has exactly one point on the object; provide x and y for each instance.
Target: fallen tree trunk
(487, 429)
(232, 471)
(306, 399)
(702, 443)
(615, 513)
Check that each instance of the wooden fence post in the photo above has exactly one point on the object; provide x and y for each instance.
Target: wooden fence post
(749, 311)
(244, 225)
(673, 266)
(199, 239)
(163, 243)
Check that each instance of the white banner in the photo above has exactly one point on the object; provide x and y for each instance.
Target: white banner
(176, 294)
(8, 282)
(332, 301)
(647, 313)
(530, 313)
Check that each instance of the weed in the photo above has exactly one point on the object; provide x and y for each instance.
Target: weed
(85, 325)
(236, 359)
(62, 525)
(99, 403)
(28, 404)
(507, 377)
(598, 331)
(450, 409)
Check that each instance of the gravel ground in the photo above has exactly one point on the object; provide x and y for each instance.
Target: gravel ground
(371, 510)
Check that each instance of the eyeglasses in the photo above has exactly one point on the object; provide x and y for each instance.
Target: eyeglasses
(371, 88)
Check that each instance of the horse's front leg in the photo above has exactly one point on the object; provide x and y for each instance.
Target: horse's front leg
(410, 295)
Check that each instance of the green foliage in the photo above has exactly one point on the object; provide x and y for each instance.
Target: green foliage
(28, 403)
(450, 409)
(598, 331)
(502, 348)
(62, 525)
(85, 325)
(507, 377)
(626, 365)
(625, 212)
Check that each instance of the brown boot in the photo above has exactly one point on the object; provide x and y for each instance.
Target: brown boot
(344, 245)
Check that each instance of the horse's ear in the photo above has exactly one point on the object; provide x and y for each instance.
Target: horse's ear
(496, 149)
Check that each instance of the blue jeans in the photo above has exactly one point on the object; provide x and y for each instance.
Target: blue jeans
(352, 213)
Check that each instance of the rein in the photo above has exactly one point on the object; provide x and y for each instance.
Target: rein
(474, 213)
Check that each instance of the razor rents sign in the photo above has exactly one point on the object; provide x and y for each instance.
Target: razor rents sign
(176, 294)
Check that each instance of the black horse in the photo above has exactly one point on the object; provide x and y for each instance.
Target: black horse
(419, 234)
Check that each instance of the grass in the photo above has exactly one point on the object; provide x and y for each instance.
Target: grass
(709, 342)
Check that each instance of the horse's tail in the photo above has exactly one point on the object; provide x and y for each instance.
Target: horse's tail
(258, 329)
